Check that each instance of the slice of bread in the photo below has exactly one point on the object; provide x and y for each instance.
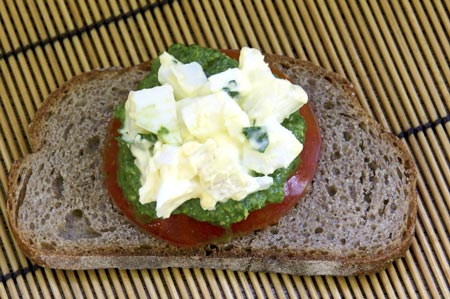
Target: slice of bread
(358, 216)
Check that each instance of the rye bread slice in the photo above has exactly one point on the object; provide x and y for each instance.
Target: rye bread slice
(358, 216)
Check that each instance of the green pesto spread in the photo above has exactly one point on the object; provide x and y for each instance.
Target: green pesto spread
(226, 213)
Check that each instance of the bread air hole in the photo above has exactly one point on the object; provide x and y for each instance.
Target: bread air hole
(228, 247)
(274, 230)
(328, 105)
(393, 207)
(373, 165)
(92, 145)
(347, 136)
(331, 190)
(363, 126)
(336, 155)
(44, 219)
(77, 226)
(318, 230)
(23, 187)
(58, 186)
(210, 249)
(368, 197)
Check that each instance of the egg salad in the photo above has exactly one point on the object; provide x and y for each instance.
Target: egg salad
(215, 138)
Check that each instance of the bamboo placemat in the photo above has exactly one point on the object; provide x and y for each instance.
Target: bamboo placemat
(396, 53)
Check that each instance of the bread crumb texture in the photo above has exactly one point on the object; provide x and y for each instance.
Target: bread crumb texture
(62, 205)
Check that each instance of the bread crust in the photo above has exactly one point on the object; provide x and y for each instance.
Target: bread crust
(235, 255)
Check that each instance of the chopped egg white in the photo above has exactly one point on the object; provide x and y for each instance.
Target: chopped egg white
(231, 81)
(185, 79)
(213, 114)
(176, 175)
(268, 95)
(202, 149)
(152, 110)
(283, 147)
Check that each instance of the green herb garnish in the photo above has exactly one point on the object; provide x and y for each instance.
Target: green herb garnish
(258, 137)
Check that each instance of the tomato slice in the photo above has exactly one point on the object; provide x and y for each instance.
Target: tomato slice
(185, 231)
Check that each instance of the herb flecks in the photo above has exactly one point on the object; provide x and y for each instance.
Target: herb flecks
(232, 93)
(163, 131)
(258, 137)
(231, 89)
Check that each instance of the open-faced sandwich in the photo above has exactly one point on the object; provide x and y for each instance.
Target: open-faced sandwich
(207, 158)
